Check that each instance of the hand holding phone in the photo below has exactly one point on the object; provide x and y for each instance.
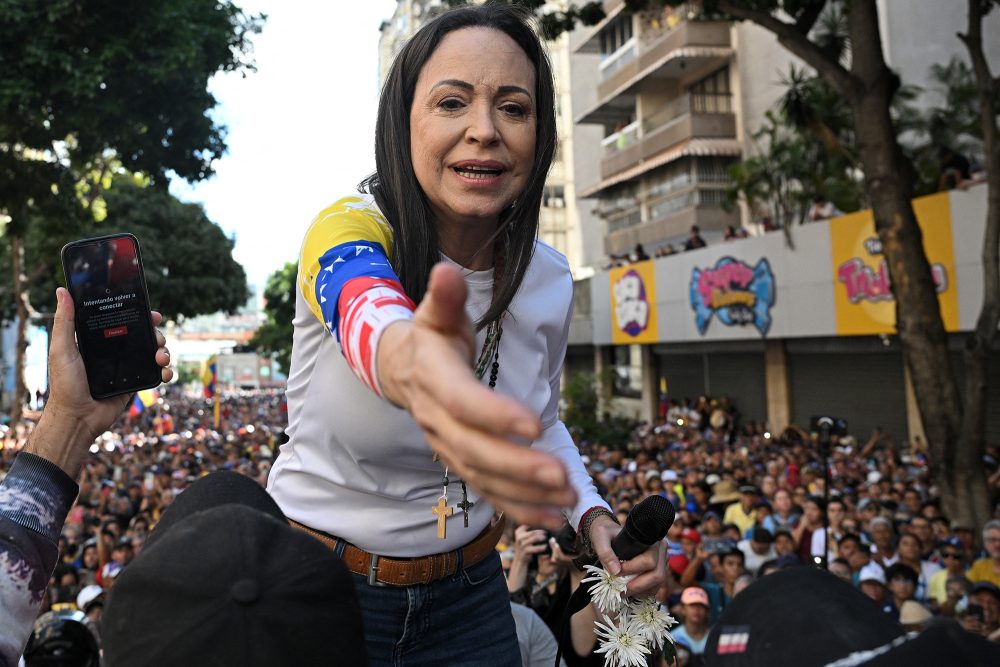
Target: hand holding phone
(72, 419)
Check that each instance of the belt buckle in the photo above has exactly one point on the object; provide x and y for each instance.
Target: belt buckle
(373, 570)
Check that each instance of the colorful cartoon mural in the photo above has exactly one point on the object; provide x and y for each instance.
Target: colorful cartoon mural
(633, 303)
(735, 293)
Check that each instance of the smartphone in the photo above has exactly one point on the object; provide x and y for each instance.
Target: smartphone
(114, 329)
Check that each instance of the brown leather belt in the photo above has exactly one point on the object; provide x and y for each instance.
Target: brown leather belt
(409, 571)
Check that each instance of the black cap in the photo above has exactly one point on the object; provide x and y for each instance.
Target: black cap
(225, 580)
(797, 616)
(985, 587)
(762, 535)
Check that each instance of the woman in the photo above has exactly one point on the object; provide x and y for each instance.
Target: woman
(464, 137)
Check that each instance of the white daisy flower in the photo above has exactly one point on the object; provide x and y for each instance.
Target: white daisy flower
(607, 590)
(622, 644)
(651, 622)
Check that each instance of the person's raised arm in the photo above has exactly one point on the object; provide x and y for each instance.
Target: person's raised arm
(40, 487)
(528, 542)
(425, 366)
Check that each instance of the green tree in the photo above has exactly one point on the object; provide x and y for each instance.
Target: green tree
(87, 86)
(275, 335)
(188, 259)
(584, 395)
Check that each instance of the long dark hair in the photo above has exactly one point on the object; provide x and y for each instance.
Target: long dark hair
(394, 184)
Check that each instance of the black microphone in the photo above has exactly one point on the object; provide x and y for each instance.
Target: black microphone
(647, 524)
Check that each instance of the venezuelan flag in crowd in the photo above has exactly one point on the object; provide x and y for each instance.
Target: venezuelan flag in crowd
(143, 399)
(209, 375)
(209, 378)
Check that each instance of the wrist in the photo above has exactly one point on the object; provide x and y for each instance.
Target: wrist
(393, 371)
(61, 440)
(590, 517)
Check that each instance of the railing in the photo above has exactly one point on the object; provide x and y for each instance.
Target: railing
(609, 207)
(615, 61)
(673, 183)
(671, 111)
(622, 139)
(687, 104)
(712, 103)
(630, 219)
(673, 204)
(689, 199)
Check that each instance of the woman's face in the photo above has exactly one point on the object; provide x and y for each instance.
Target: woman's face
(472, 131)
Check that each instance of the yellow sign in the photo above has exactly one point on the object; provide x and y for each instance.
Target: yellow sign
(633, 304)
(862, 295)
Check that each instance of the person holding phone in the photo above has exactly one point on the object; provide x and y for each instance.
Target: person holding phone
(40, 487)
(409, 425)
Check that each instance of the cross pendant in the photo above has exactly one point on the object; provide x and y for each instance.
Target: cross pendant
(442, 512)
(465, 506)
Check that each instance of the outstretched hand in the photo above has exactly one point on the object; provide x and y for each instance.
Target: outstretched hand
(72, 419)
(425, 366)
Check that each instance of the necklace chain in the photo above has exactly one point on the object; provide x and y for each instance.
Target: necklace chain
(490, 351)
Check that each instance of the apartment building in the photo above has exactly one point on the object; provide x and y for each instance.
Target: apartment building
(665, 105)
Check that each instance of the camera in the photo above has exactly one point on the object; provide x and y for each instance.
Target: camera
(565, 537)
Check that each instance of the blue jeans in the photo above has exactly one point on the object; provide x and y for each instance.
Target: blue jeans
(464, 619)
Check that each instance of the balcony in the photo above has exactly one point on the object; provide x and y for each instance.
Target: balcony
(664, 53)
(670, 217)
(685, 118)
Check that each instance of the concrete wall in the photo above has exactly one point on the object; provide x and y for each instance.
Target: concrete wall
(586, 158)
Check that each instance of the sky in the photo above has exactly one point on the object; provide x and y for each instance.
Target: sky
(300, 130)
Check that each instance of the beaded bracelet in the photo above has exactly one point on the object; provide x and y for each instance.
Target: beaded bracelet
(588, 519)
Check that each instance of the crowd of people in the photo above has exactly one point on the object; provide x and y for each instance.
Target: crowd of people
(748, 502)
(135, 471)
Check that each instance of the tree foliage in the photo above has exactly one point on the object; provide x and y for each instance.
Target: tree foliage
(89, 88)
(80, 79)
(552, 23)
(583, 395)
(188, 259)
(275, 335)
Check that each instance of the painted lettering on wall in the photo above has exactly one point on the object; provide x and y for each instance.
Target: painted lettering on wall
(865, 283)
(734, 292)
(631, 305)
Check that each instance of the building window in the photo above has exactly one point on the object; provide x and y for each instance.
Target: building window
(615, 34)
(553, 197)
(712, 94)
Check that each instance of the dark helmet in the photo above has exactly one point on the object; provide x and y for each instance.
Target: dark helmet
(62, 638)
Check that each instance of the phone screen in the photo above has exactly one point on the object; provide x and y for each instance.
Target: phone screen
(113, 326)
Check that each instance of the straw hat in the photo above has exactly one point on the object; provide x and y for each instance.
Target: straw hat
(725, 491)
(913, 613)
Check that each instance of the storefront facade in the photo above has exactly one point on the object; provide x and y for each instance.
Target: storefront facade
(788, 331)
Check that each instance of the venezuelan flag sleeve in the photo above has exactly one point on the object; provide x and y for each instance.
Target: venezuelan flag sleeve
(347, 281)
